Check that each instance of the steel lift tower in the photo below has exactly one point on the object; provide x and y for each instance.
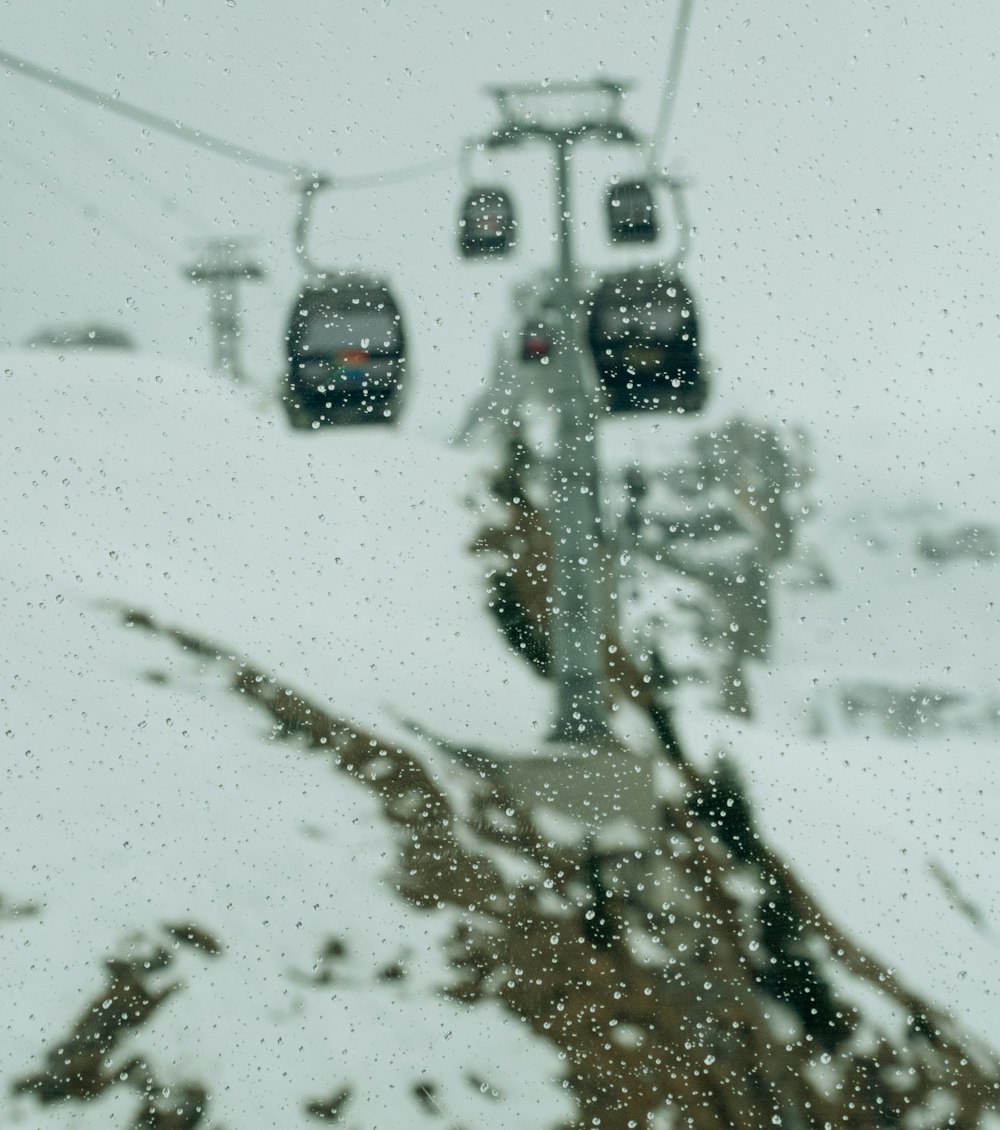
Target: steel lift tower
(222, 266)
(562, 116)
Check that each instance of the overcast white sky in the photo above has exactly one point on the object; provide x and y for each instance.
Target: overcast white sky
(843, 157)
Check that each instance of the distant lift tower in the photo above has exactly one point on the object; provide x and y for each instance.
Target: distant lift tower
(222, 265)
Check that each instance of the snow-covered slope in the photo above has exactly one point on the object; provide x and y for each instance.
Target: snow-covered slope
(340, 557)
(137, 804)
(141, 809)
(872, 758)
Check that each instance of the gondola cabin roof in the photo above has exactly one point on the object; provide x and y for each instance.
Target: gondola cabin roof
(641, 288)
(345, 286)
(362, 306)
(344, 293)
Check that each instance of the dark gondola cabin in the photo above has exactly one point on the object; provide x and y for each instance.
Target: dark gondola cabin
(631, 211)
(346, 353)
(487, 225)
(536, 343)
(643, 332)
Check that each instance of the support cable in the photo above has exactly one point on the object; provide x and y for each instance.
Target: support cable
(401, 175)
(212, 142)
(220, 145)
(661, 135)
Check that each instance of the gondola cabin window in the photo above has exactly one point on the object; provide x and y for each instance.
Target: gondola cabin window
(326, 330)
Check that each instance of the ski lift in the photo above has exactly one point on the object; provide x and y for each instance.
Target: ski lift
(487, 226)
(346, 352)
(643, 331)
(631, 210)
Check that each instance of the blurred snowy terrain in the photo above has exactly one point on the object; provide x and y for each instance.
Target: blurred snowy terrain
(142, 811)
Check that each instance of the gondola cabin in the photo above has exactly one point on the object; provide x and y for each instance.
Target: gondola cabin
(536, 343)
(643, 331)
(487, 225)
(631, 213)
(346, 353)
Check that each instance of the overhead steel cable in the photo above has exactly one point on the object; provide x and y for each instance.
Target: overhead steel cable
(242, 153)
(671, 82)
(212, 142)
(396, 176)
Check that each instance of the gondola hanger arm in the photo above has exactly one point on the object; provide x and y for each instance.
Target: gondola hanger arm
(309, 183)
